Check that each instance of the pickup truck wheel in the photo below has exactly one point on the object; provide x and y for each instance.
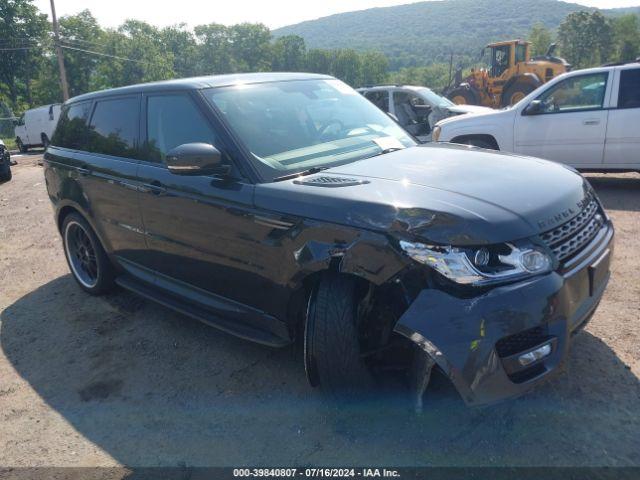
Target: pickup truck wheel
(87, 259)
(331, 346)
(21, 146)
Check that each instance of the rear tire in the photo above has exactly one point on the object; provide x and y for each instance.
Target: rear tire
(516, 93)
(463, 96)
(87, 259)
(21, 146)
(331, 345)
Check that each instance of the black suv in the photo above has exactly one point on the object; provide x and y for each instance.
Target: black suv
(279, 207)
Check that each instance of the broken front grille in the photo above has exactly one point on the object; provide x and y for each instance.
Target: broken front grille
(572, 236)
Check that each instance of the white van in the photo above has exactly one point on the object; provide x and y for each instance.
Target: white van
(35, 126)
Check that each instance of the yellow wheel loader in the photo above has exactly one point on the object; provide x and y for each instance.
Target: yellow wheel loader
(512, 75)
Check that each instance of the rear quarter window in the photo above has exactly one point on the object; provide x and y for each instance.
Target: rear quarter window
(72, 129)
(629, 93)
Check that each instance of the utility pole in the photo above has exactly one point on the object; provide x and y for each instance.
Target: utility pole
(56, 36)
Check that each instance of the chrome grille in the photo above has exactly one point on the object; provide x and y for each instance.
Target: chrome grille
(570, 237)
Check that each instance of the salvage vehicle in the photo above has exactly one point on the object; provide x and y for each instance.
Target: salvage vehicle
(35, 127)
(417, 109)
(285, 206)
(587, 119)
(5, 163)
(511, 75)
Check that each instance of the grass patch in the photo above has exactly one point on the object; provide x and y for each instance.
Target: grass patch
(10, 143)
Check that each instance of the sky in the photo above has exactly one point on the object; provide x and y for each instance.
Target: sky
(273, 13)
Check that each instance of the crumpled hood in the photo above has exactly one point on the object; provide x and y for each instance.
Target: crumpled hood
(440, 193)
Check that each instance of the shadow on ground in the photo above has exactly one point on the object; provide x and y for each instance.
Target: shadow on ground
(617, 193)
(153, 388)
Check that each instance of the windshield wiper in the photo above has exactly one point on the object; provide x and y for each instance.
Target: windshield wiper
(303, 173)
(386, 150)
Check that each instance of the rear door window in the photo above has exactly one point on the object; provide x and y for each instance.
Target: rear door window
(114, 127)
(380, 98)
(629, 92)
(72, 129)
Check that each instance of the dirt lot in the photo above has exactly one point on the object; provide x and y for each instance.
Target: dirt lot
(121, 381)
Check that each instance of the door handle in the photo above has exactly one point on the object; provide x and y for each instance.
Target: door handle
(154, 187)
(591, 122)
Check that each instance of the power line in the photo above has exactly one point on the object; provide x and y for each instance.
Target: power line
(80, 41)
(104, 54)
(13, 49)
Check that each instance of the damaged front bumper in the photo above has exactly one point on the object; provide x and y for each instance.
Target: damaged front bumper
(482, 343)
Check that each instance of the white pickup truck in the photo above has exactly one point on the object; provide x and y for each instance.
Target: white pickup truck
(589, 119)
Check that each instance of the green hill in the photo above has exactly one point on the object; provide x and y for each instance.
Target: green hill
(425, 32)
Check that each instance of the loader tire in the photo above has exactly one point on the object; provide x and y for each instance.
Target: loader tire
(463, 96)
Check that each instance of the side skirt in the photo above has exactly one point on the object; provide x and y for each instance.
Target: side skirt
(223, 314)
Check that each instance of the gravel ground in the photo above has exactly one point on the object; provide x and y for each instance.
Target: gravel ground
(118, 380)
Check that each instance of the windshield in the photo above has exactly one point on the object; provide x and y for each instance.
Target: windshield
(293, 126)
(433, 98)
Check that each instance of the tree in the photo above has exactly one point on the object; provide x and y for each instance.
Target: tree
(80, 32)
(434, 76)
(251, 47)
(25, 29)
(142, 56)
(182, 45)
(374, 66)
(540, 37)
(318, 61)
(346, 66)
(289, 54)
(586, 38)
(626, 34)
(214, 51)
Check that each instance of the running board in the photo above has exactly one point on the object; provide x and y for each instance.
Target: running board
(202, 313)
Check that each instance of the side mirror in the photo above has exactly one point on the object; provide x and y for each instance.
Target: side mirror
(534, 108)
(196, 159)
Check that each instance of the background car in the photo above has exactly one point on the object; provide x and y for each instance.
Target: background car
(5, 163)
(587, 119)
(35, 127)
(417, 109)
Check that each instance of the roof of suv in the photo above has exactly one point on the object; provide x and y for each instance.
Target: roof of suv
(195, 83)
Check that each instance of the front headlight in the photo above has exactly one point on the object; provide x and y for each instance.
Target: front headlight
(481, 266)
(435, 135)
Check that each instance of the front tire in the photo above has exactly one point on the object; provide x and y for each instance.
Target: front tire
(331, 346)
(87, 259)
